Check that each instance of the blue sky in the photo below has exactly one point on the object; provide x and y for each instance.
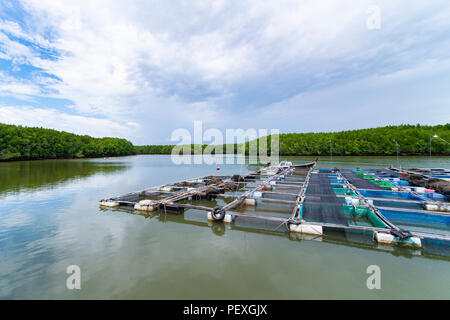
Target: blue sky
(141, 69)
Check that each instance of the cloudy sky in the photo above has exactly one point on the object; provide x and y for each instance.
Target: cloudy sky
(140, 69)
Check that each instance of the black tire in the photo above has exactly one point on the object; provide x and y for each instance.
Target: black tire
(218, 214)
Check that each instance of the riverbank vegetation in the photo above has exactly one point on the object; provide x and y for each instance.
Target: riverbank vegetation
(24, 143)
(410, 139)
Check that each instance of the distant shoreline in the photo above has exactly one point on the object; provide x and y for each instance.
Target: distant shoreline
(19, 143)
(324, 157)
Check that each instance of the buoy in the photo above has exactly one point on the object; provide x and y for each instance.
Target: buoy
(250, 202)
(348, 201)
(228, 218)
(109, 204)
(146, 202)
(386, 238)
(218, 169)
(140, 207)
(431, 206)
(307, 229)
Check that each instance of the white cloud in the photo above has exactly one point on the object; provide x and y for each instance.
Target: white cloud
(357, 104)
(22, 89)
(13, 49)
(164, 64)
(14, 29)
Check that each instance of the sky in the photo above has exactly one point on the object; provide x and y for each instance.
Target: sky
(140, 69)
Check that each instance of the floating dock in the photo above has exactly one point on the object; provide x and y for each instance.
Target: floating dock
(385, 205)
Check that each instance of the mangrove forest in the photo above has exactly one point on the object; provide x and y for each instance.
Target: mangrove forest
(26, 143)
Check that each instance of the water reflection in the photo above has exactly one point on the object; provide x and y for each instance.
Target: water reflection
(357, 239)
(50, 219)
(23, 175)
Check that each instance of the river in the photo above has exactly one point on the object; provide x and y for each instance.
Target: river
(50, 219)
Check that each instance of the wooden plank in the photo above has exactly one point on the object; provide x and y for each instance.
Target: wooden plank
(301, 195)
(241, 199)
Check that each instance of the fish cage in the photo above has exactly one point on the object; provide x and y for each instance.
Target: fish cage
(376, 207)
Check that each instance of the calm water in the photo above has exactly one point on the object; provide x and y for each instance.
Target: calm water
(50, 219)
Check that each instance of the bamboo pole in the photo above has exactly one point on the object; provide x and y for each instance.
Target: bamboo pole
(301, 195)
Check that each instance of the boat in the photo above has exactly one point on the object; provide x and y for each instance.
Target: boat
(306, 165)
(272, 170)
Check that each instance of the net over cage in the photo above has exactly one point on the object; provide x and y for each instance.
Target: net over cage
(359, 182)
(321, 203)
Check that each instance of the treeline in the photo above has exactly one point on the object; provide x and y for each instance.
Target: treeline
(153, 149)
(167, 149)
(410, 139)
(25, 143)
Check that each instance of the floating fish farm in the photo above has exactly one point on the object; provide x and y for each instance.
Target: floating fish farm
(378, 208)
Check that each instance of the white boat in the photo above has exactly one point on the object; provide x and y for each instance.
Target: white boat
(272, 170)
